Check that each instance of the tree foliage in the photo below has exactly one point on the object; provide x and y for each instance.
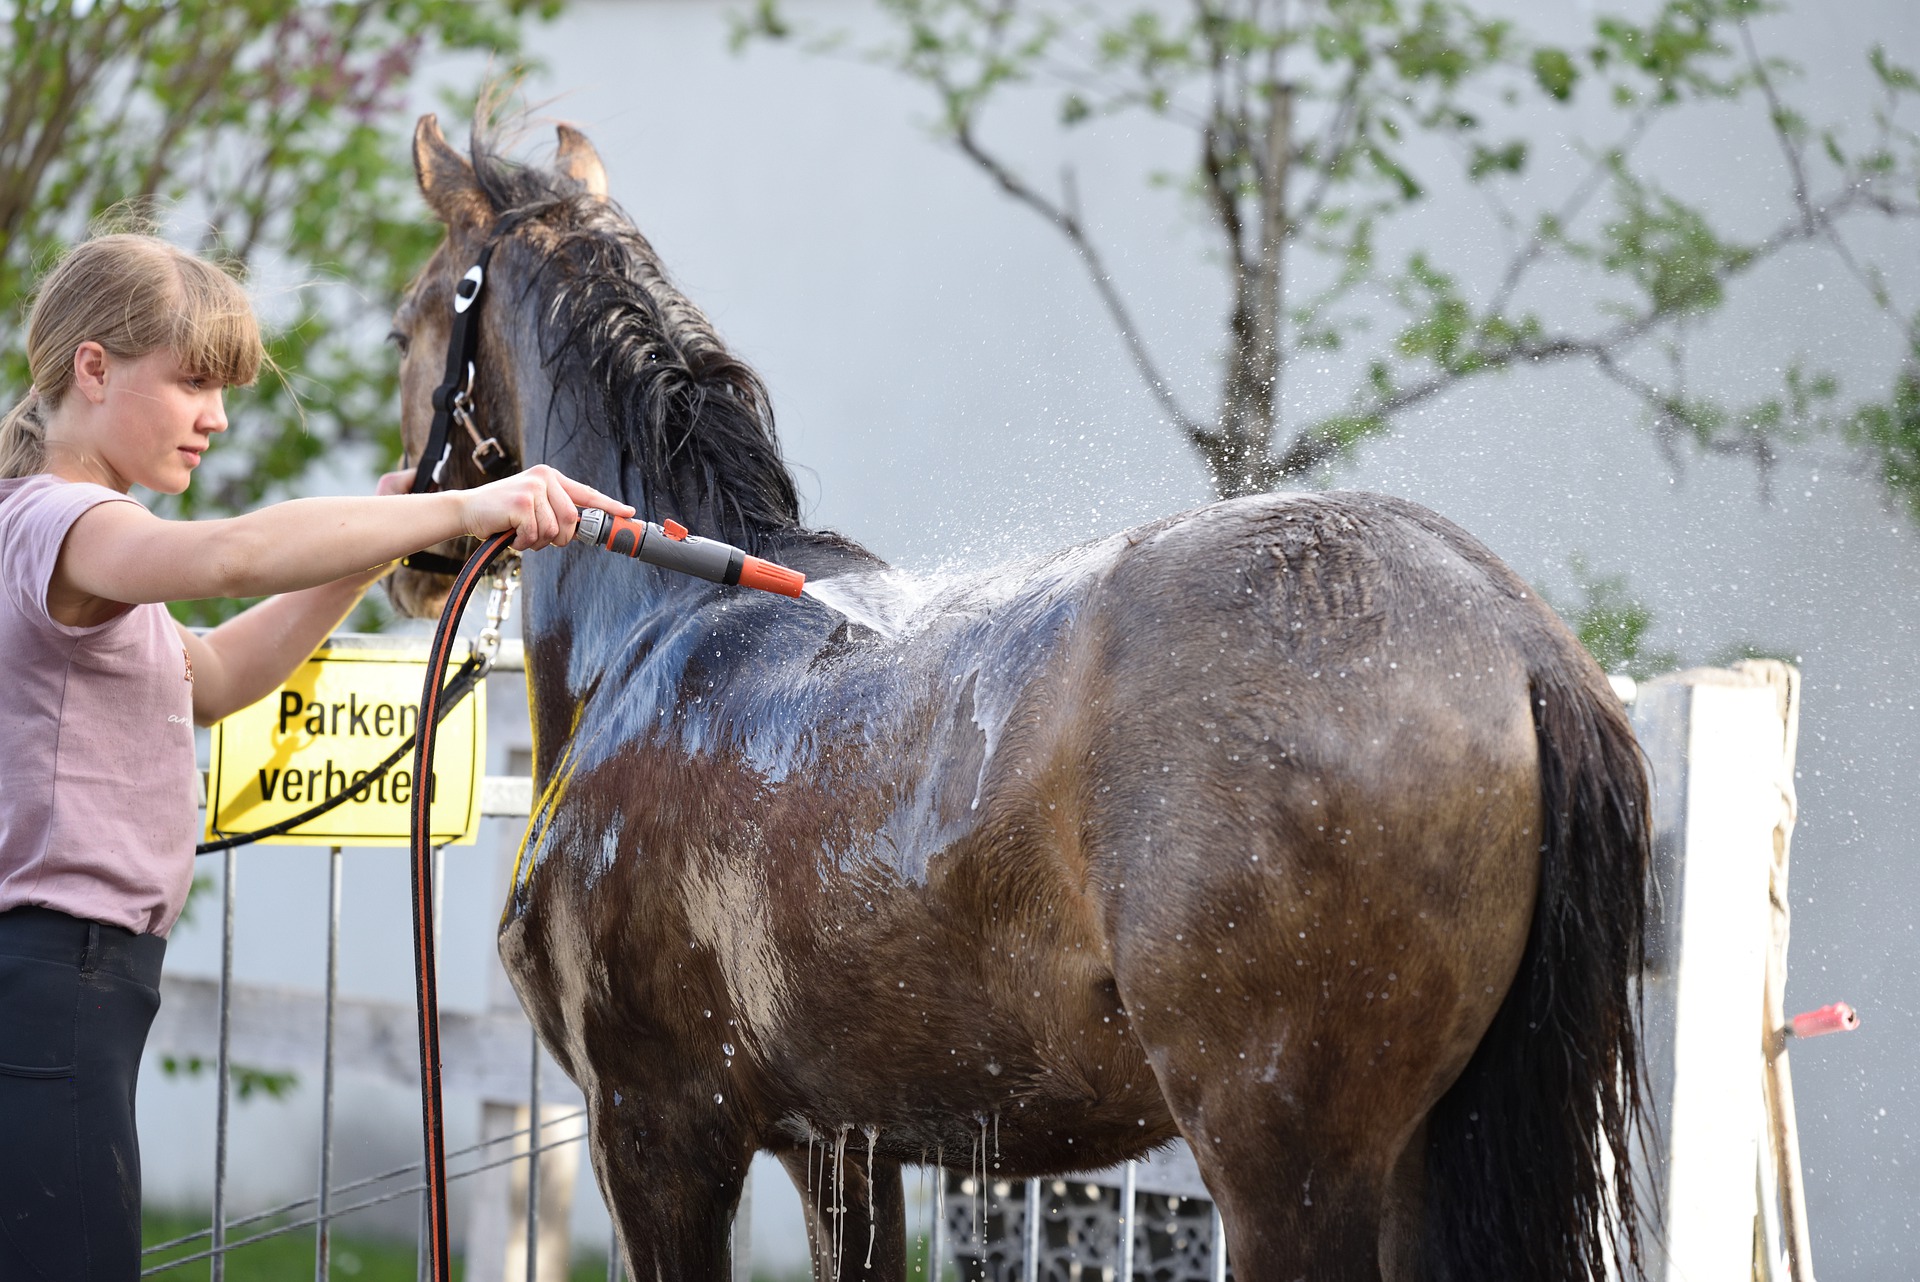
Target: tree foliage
(271, 133)
(1612, 623)
(1316, 125)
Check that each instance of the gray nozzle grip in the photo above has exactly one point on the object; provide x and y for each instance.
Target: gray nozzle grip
(702, 558)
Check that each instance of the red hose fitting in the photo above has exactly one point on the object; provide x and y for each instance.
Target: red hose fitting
(1837, 1018)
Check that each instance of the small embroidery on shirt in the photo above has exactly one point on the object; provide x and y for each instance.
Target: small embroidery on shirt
(189, 659)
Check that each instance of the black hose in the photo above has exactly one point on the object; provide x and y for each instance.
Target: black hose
(426, 986)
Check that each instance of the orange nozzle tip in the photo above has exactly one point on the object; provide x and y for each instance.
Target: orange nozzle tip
(768, 577)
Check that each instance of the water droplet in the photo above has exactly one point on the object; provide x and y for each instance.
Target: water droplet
(707, 1013)
(717, 1097)
(726, 1048)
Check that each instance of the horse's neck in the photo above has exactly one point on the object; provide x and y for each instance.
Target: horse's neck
(584, 607)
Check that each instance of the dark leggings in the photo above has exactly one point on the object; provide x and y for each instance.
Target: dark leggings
(76, 1000)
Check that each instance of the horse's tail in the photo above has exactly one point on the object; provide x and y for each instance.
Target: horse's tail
(1528, 1171)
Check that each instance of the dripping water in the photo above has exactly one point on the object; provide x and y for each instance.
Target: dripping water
(839, 1198)
(873, 1137)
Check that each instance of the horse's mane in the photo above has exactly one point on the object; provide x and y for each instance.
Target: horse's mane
(695, 419)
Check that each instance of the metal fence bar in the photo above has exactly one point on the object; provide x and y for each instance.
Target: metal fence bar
(308, 1222)
(439, 906)
(323, 1231)
(1127, 1178)
(1030, 1264)
(533, 1163)
(937, 1238)
(223, 1069)
(425, 1233)
(613, 1255)
(1219, 1246)
(365, 1182)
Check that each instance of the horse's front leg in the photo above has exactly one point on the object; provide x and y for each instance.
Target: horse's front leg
(672, 1179)
(856, 1211)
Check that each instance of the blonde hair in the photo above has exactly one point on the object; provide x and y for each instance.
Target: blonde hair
(133, 294)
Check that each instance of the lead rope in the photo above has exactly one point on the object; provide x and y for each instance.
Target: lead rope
(426, 987)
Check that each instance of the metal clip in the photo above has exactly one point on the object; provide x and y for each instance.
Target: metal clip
(486, 452)
(506, 582)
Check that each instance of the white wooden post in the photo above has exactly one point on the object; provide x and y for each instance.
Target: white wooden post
(1720, 744)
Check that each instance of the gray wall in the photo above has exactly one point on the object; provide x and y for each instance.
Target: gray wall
(948, 382)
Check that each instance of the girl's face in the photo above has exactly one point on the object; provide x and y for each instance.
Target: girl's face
(146, 421)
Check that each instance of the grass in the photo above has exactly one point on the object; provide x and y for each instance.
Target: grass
(355, 1257)
(362, 1259)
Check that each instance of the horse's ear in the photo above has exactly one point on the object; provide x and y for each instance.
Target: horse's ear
(446, 177)
(580, 162)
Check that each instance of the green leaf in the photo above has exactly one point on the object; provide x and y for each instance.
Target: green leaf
(1484, 160)
(1888, 433)
(1612, 623)
(1554, 71)
(243, 1079)
(1897, 78)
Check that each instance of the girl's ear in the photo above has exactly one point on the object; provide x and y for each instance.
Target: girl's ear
(446, 179)
(90, 371)
(580, 162)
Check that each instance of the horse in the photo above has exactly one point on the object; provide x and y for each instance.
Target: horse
(1296, 826)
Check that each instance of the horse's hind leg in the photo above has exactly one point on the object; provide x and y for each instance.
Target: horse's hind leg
(1300, 1039)
(856, 1222)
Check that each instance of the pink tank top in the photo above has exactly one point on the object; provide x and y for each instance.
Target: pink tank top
(97, 813)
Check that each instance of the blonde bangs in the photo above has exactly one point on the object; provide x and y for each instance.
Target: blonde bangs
(215, 333)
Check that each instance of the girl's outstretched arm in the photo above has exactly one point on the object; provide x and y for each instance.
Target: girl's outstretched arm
(318, 555)
(246, 657)
(121, 553)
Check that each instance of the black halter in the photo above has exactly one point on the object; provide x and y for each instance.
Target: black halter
(453, 401)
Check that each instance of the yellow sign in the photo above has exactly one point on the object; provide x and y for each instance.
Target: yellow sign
(340, 715)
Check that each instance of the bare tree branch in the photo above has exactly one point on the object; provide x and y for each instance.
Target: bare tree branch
(1796, 169)
(1571, 209)
(1067, 221)
(1342, 129)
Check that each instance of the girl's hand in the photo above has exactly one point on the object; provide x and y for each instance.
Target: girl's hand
(540, 505)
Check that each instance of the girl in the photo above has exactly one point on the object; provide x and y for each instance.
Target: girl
(131, 343)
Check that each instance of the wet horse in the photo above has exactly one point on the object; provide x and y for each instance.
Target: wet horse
(1295, 826)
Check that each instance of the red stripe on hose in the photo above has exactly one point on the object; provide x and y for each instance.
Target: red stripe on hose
(426, 982)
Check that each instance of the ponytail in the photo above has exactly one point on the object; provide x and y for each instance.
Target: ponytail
(23, 438)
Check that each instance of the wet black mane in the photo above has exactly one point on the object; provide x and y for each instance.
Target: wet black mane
(693, 420)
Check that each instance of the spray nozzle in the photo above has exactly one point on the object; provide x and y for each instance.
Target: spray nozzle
(670, 546)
